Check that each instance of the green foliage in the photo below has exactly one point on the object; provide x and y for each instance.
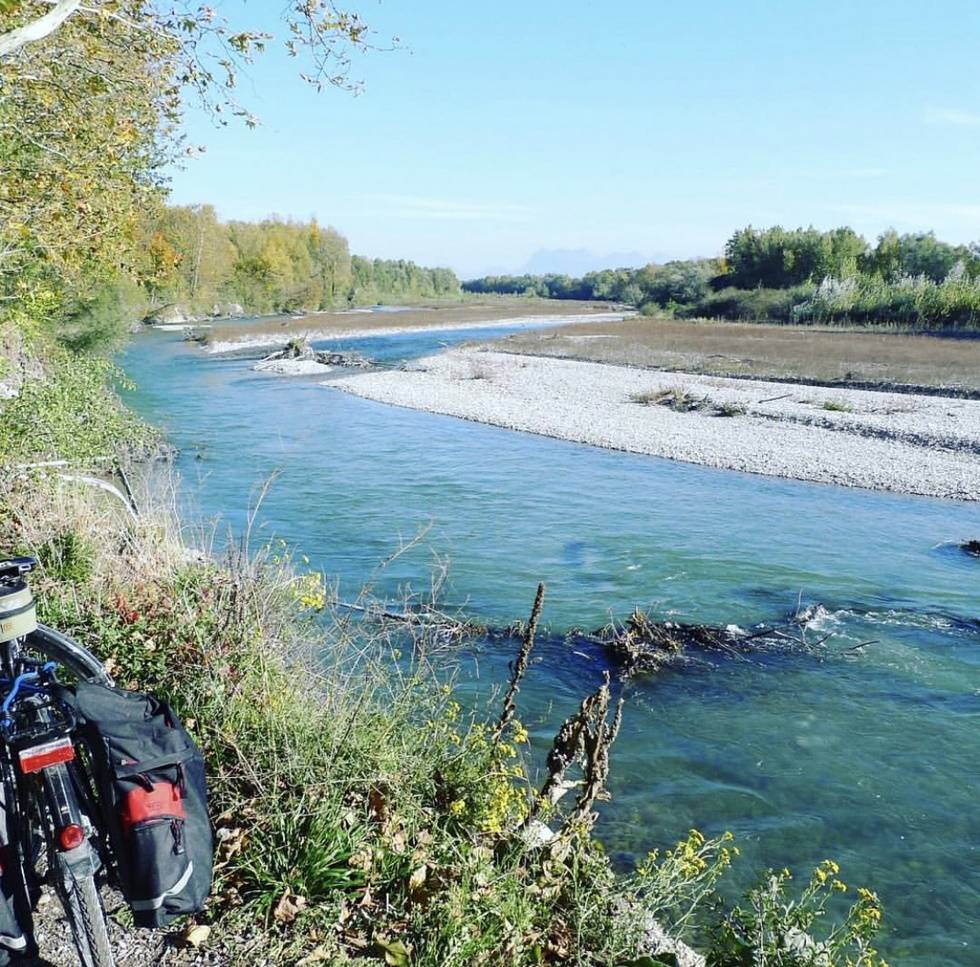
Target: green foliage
(67, 557)
(786, 931)
(192, 259)
(773, 305)
(69, 414)
(917, 255)
(552, 286)
(383, 279)
(99, 318)
(799, 275)
(916, 302)
(776, 258)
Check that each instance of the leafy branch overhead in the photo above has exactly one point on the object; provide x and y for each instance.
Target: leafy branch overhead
(206, 48)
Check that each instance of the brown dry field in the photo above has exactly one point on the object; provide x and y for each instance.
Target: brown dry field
(435, 314)
(804, 354)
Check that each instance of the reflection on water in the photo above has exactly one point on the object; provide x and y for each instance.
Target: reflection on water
(869, 757)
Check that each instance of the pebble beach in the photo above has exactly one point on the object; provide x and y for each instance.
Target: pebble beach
(898, 442)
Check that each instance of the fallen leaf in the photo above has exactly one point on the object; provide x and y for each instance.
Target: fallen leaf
(396, 953)
(195, 934)
(378, 805)
(289, 907)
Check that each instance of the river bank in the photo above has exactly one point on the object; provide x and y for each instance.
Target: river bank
(803, 758)
(277, 332)
(903, 443)
(857, 358)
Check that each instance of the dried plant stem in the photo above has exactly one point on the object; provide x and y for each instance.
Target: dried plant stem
(520, 667)
(584, 738)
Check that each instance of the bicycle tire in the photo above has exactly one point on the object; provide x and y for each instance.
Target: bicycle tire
(80, 898)
(79, 660)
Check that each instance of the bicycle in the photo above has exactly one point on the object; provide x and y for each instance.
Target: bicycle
(48, 808)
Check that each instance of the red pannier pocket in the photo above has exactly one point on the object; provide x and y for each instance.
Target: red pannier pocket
(162, 800)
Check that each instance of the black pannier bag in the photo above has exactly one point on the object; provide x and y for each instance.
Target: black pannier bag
(153, 794)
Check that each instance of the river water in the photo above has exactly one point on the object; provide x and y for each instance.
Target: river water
(870, 757)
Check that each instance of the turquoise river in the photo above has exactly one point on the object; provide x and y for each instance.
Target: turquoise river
(868, 756)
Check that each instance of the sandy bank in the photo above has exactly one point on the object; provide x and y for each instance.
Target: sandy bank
(355, 325)
(884, 441)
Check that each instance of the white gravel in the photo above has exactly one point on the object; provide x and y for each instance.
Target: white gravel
(883, 441)
(266, 339)
(293, 367)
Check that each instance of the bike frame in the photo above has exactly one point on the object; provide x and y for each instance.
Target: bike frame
(39, 805)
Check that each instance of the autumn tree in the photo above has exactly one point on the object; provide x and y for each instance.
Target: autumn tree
(91, 101)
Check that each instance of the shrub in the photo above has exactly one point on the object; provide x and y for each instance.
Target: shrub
(913, 301)
(775, 928)
(774, 305)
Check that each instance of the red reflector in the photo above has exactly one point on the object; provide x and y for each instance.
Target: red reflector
(39, 757)
(71, 837)
(163, 801)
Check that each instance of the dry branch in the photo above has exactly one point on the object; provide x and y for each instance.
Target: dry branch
(584, 739)
(520, 666)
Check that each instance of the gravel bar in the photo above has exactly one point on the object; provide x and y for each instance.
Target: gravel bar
(905, 443)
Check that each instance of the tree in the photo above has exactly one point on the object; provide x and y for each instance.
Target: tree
(777, 258)
(91, 100)
(919, 254)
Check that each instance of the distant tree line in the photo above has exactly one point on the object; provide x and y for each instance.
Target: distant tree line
(195, 260)
(790, 275)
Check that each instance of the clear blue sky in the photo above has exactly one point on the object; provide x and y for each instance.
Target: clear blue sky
(633, 125)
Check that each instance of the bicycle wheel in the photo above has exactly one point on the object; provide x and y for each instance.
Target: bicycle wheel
(83, 907)
(72, 866)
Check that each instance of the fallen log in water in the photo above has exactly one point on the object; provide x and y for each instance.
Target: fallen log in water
(299, 350)
(643, 645)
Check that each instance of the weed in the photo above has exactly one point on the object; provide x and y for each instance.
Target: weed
(676, 399)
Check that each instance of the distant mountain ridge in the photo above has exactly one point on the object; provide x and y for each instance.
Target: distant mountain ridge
(577, 262)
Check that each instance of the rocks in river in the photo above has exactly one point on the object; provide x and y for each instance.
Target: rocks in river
(226, 310)
(172, 315)
(178, 315)
(972, 548)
